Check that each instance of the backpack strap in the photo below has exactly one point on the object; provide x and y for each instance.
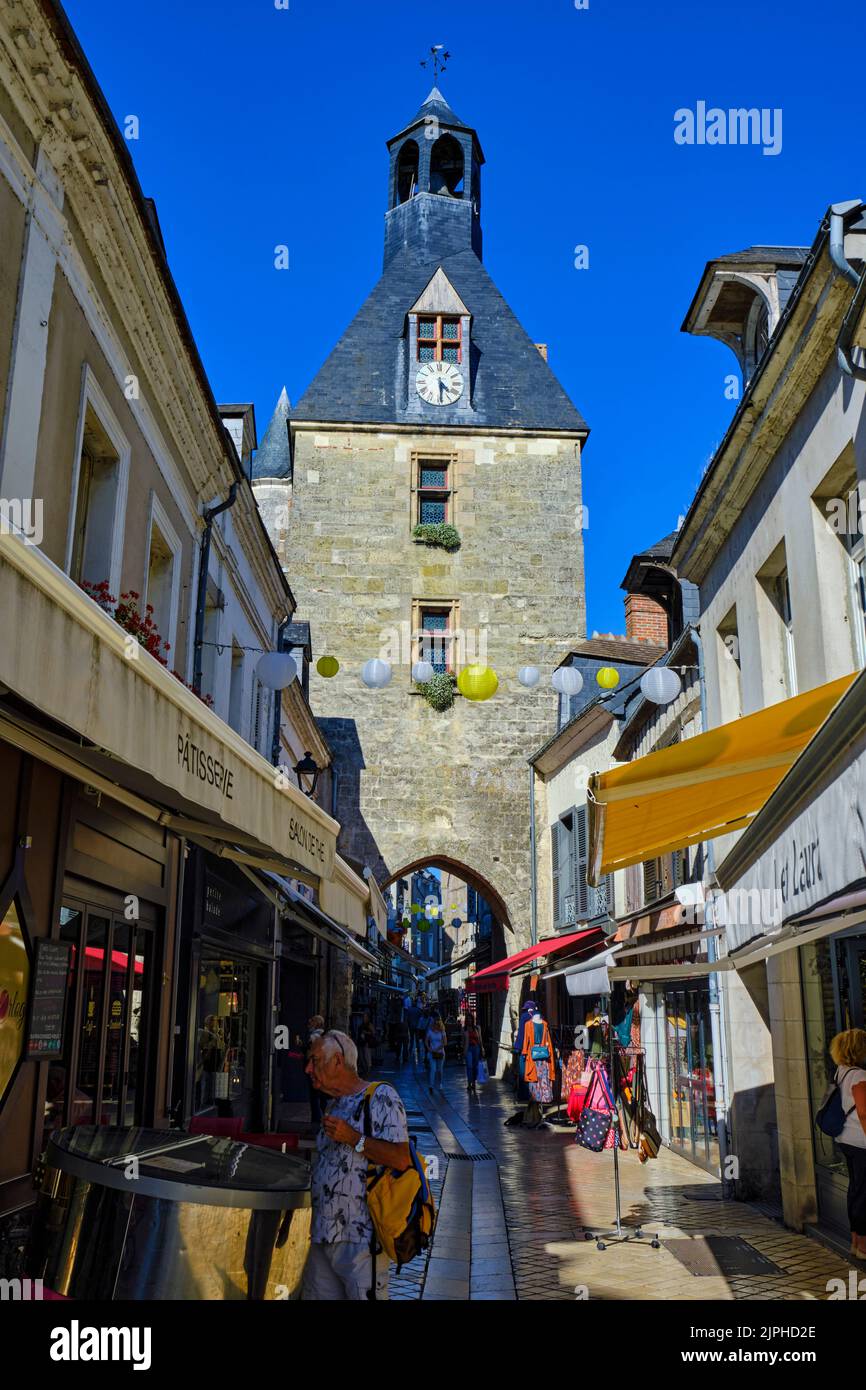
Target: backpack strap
(368, 1131)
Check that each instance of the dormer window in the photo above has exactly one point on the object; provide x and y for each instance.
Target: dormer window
(440, 339)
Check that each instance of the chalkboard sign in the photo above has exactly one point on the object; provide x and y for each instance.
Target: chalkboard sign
(48, 1001)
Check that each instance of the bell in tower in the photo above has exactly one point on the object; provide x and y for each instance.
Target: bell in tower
(434, 189)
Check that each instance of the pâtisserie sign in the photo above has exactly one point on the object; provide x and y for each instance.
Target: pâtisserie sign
(196, 760)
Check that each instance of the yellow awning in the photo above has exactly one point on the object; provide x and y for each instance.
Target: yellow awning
(703, 787)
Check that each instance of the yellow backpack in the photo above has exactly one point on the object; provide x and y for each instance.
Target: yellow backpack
(401, 1205)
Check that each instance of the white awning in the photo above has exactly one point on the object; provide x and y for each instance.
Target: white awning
(125, 724)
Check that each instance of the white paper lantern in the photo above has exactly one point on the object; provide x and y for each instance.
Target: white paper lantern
(567, 681)
(276, 670)
(376, 673)
(529, 676)
(422, 672)
(661, 685)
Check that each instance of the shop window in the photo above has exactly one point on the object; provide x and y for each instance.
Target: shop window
(14, 984)
(95, 538)
(226, 1074)
(162, 581)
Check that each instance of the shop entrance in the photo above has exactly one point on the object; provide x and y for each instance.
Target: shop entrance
(227, 1073)
(102, 1077)
(691, 1089)
(834, 999)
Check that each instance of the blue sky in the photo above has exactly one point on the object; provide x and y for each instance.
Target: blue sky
(261, 126)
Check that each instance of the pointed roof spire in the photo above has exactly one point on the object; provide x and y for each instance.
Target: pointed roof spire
(272, 459)
(436, 105)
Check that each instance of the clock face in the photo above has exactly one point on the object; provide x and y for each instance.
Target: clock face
(439, 383)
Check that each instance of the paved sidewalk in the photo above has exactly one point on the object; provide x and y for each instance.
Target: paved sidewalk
(513, 1226)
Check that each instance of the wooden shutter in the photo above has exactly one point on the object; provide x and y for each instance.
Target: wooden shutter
(650, 880)
(567, 869)
(581, 888)
(555, 862)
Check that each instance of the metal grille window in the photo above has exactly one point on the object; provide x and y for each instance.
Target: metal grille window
(440, 339)
(436, 638)
(434, 490)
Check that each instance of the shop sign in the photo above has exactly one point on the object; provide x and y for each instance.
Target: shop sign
(818, 855)
(199, 763)
(48, 1003)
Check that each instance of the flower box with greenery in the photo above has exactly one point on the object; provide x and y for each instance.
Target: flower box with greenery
(127, 615)
(439, 692)
(440, 533)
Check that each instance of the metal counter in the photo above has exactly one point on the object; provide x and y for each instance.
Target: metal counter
(148, 1214)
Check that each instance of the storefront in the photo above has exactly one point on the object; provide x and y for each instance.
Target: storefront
(118, 782)
(801, 867)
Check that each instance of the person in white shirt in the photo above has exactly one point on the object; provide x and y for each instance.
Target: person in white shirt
(848, 1051)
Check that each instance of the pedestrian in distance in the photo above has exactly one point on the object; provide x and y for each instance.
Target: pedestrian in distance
(434, 1042)
(401, 1040)
(848, 1051)
(417, 1028)
(473, 1051)
(341, 1265)
(367, 1040)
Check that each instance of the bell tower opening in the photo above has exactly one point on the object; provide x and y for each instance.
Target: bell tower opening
(447, 167)
(407, 171)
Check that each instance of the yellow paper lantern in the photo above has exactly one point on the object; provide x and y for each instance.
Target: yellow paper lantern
(608, 678)
(327, 666)
(477, 682)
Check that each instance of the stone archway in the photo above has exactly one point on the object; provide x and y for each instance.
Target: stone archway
(469, 875)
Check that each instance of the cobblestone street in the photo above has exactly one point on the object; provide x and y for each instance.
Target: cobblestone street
(513, 1205)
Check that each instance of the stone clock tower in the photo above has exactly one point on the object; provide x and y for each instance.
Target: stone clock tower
(435, 406)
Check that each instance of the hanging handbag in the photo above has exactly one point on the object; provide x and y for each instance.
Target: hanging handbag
(483, 1073)
(540, 1053)
(594, 1124)
(576, 1101)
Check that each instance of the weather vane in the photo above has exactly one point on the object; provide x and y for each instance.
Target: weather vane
(438, 60)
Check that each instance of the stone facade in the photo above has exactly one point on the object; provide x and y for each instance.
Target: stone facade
(414, 782)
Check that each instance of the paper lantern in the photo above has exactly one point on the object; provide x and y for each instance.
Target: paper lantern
(276, 670)
(456, 921)
(376, 673)
(422, 672)
(567, 681)
(477, 682)
(660, 685)
(529, 676)
(327, 666)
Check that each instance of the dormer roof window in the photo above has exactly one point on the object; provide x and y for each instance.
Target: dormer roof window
(741, 298)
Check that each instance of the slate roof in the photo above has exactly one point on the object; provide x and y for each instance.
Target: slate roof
(614, 649)
(436, 105)
(364, 381)
(780, 255)
(273, 459)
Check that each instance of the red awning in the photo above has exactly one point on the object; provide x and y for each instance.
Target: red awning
(496, 976)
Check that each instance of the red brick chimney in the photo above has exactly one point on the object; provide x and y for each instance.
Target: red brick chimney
(645, 620)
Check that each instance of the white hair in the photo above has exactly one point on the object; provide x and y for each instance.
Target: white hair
(335, 1041)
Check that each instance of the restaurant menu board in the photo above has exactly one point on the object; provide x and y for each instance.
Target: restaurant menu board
(48, 1001)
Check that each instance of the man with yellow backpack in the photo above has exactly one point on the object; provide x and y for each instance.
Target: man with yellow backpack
(371, 1198)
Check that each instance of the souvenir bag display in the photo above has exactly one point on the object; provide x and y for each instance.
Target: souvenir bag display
(597, 1114)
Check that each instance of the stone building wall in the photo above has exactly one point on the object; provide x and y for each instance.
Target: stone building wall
(414, 782)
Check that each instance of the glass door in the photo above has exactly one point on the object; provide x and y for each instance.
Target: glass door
(100, 1077)
(691, 1084)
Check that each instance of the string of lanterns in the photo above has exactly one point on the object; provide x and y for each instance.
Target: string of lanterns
(477, 682)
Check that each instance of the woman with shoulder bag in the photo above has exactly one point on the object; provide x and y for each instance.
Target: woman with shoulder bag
(434, 1041)
(848, 1051)
(473, 1051)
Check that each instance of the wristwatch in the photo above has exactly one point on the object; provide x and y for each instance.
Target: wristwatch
(359, 1147)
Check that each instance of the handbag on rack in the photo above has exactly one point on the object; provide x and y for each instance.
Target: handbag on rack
(597, 1115)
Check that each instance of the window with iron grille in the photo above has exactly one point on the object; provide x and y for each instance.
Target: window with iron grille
(434, 488)
(440, 339)
(435, 638)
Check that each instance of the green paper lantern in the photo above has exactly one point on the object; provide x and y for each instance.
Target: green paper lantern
(327, 666)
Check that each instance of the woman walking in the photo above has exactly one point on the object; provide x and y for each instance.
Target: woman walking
(848, 1051)
(434, 1042)
(367, 1039)
(473, 1051)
